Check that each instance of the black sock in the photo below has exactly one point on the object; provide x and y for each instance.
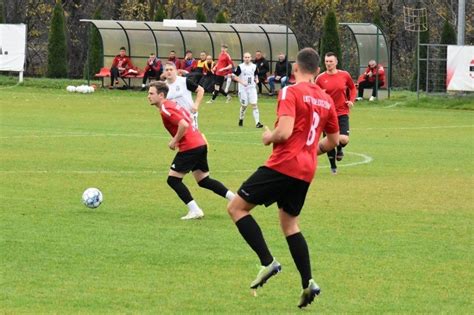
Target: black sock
(183, 192)
(299, 252)
(214, 185)
(214, 94)
(332, 158)
(251, 232)
(223, 92)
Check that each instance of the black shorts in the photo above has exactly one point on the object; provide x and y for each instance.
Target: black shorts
(267, 186)
(343, 124)
(219, 80)
(191, 160)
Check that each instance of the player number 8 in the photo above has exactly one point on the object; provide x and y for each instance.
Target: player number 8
(312, 131)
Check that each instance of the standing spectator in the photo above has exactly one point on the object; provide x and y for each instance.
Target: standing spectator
(369, 78)
(222, 68)
(281, 74)
(192, 155)
(339, 85)
(121, 66)
(262, 69)
(153, 69)
(304, 111)
(247, 77)
(180, 90)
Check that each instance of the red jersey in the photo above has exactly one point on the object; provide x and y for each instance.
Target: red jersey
(223, 61)
(365, 76)
(314, 112)
(122, 62)
(172, 113)
(340, 87)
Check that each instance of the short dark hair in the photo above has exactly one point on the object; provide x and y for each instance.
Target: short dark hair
(330, 54)
(160, 86)
(308, 60)
(122, 48)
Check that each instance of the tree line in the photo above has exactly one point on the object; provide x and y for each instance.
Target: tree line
(305, 17)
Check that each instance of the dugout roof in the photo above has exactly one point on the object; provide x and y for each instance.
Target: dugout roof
(141, 38)
(371, 44)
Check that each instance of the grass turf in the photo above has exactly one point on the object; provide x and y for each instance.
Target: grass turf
(392, 232)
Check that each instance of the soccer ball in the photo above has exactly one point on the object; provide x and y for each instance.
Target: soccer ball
(71, 88)
(92, 198)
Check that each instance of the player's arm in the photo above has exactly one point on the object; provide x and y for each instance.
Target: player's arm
(352, 91)
(199, 90)
(281, 133)
(182, 127)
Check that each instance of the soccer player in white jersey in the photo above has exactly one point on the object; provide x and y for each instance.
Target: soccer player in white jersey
(247, 76)
(180, 89)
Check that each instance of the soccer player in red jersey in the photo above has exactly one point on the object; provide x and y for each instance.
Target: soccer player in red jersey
(221, 69)
(339, 85)
(304, 111)
(192, 155)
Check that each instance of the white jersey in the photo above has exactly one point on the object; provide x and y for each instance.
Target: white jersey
(178, 92)
(246, 73)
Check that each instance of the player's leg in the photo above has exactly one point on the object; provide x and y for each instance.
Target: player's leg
(181, 165)
(362, 86)
(343, 136)
(290, 207)
(228, 81)
(253, 98)
(243, 106)
(262, 187)
(114, 74)
(201, 175)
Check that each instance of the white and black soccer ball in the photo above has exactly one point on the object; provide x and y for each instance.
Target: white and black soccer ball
(92, 198)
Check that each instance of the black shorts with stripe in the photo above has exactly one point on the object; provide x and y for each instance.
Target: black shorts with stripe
(191, 160)
(267, 186)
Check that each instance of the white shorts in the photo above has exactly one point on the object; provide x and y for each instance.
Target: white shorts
(248, 95)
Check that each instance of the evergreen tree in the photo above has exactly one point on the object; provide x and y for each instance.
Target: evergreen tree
(96, 60)
(160, 14)
(200, 15)
(424, 39)
(220, 18)
(57, 46)
(330, 39)
(448, 35)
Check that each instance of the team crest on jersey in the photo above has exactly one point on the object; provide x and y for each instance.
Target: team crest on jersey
(177, 88)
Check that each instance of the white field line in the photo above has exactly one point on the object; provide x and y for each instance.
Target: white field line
(365, 159)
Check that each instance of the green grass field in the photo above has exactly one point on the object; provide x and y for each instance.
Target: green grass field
(391, 233)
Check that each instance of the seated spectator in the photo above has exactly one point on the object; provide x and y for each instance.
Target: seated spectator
(262, 68)
(188, 64)
(172, 58)
(153, 69)
(197, 73)
(368, 79)
(281, 73)
(121, 66)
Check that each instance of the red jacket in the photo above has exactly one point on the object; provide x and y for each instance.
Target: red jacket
(154, 64)
(365, 76)
(123, 64)
(188, 65)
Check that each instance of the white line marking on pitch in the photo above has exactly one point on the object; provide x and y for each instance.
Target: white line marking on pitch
(366, 159)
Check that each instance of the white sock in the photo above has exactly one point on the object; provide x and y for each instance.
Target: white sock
(227, 84)
(256, 115)
(242, 112)
(229, 195)
(195, 117)
(193, 206)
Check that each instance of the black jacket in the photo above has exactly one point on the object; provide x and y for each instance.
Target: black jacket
(262, 67)
(280, 68)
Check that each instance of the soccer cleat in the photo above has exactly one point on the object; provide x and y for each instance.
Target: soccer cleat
(359, 99)
(308, 294)
(334, 171)
(193, 215)
(241, 122)
(372, 98)
(210, 101)
(265, 273)
(339, 155)
(228, 98)
(259, 125)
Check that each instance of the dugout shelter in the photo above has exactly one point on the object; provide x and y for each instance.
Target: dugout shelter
(370, 43)
(141, 38)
